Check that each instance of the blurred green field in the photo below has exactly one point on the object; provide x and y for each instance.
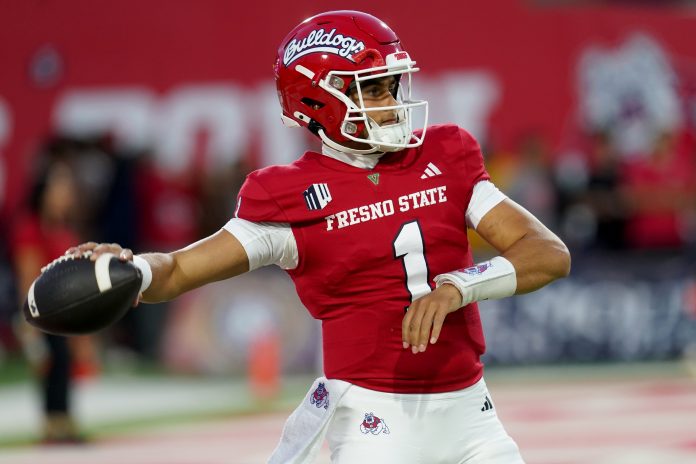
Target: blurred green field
(143, 397)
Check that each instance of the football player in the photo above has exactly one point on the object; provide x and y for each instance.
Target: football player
(373, 231)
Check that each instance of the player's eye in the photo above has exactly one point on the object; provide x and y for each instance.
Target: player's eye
(375, 91)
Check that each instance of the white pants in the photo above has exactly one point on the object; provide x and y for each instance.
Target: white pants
(448, 428)
(365, 426)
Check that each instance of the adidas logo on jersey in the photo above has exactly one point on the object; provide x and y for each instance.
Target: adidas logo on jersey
(487, 405)
(431, 171)
(317, 196)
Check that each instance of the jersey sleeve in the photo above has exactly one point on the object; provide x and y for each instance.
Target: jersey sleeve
(472, 159)
(255, 203)
(464, 163)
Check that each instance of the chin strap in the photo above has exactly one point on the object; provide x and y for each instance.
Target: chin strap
(342, 148)
(392, 134)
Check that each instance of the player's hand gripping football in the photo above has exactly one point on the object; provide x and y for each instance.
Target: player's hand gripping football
(98, 249)
(423, 320)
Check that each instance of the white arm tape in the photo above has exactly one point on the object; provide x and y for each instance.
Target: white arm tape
(145, 269)
(265, 242)
(484, 198)
(484, 281)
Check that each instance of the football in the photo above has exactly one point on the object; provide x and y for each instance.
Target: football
(75, 296)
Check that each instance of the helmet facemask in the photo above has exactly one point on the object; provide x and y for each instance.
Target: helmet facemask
(358, 126)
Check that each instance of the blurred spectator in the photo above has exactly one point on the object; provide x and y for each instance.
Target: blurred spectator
(166, 211)
(599, 194)
(128, 201)
(168, 207)
(660, 193)
(116, 217)
(40, 234)
(525, 176)
(591, 209)
(8, 299)
(602, 194)
(219, 188)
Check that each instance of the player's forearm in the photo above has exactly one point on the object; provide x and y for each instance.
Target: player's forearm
(164, 285)
(211, 259)
(538, 260)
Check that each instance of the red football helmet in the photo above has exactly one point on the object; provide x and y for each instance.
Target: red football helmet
(327, 55)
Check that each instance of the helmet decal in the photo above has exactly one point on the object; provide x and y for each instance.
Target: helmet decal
(319, 40)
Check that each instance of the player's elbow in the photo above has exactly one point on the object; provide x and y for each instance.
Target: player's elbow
(559, 261)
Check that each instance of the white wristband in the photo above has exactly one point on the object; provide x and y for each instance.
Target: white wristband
(145, 269)
(484, 281)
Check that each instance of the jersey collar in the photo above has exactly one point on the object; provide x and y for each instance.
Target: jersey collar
(358, 161)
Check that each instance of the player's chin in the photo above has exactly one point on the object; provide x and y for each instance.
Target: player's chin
(359, 145)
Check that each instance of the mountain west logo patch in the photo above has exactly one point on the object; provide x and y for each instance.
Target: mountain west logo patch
(373, 424)
(317, 196)
(374, 178)
(320, 397)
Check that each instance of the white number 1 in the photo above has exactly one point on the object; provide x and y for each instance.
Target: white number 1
(409, 247)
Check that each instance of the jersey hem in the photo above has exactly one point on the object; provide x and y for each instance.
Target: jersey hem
(411, 387)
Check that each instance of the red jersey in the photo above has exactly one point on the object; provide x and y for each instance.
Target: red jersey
(661, 225)
(50, 244)
(369, 241)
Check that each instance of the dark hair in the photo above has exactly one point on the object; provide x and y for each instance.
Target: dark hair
(55, 150)
(38, 188)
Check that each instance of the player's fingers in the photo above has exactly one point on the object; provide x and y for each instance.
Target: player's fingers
(113, 248)
(98, 250)
(415, 327)
(405, 324)
(408, 325)
(425, 327)
(84, 248)
(126, 255)
(438, 321)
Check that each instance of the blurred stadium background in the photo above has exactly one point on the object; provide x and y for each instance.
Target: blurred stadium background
(586, 111)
